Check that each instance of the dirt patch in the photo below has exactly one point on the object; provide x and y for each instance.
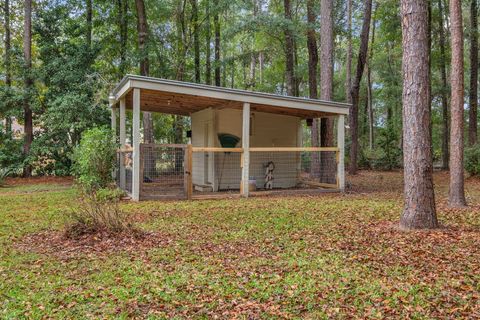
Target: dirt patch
(39, 180)
(56, 244)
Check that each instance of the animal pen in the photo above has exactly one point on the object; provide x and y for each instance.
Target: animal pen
(241, 143)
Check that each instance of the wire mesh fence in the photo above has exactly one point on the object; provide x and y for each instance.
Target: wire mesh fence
(165, 170)
(296, 169)
(216, 170)
(162, 171)
(123, 170)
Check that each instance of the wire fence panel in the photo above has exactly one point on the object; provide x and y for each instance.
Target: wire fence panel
(163, 171)
(218, 170)
(124, 158)
(292, 169)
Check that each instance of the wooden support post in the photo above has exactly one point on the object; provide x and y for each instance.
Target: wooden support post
(136, 146)
(341, 152)
(188, 171)
(246, 149)
(123, 138)
(113, 116)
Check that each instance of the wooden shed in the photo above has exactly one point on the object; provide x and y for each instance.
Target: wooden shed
(241, 142)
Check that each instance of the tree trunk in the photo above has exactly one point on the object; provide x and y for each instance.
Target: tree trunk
(216, 26)
(196, 39)
(371, 139)
(473, 97)
(88, 35)
(312, 81)
(456, 196)
(142, 28)
(362, 57)
(208, 67)
(123, 28)
(27, 55)
(8, 64)
(348, 78)
(419, 210)
(444, 91)
(289, 50)
(327, 164)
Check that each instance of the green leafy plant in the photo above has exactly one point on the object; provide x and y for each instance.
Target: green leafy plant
(4, 173)
(472, 160)
(98, 209)
(94, 159)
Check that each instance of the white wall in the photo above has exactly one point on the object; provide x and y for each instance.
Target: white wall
(267, 130)
(200, 119)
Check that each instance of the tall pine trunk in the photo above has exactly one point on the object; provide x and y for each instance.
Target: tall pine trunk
(419, 208)
(208, 40)
(8, 63)
(348, 78)
(355, 93)
(473, 97)
(123, 28)
(196, 39)
(289, 49)
(369, 88)
(216, 26)
(327, 164)
(28, 82)
(444, 91)
(142, 29)
(312, 80)
(88, 35)
(456, 197)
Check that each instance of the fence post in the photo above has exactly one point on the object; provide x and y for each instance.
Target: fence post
(246, 149)
(188, 171)
(136, 146)
(341, 152)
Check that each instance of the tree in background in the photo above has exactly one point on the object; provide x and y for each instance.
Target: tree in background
(419, 210)
(289, 50)
(456, 197)
(355, 92)
(473, 97)
(28, 83)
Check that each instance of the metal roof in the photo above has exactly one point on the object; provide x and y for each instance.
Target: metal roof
(206, 91)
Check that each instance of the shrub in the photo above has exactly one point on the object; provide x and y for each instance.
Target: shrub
(98, 211)
(94, 159)
(4, 173)
(472, 160)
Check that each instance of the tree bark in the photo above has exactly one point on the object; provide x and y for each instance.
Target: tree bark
(444, 91)
(348, 78)
(312, 80)
(123, 28)
(473, 97)
(8, 63)
(216, 26)
(289, 50)
(419, 208)
(208, 67)
(28, 82)
(371, 138)
(355, 93)
(327, 164)
(456, 197)
(196, 39)
(142, 29)
(88, 35)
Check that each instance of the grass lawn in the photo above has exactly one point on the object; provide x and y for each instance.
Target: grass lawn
(328, 256)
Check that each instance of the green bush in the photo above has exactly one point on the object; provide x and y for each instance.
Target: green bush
(472, 160)
(94, 159)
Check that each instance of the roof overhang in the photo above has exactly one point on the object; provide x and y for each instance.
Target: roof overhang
(183, 98)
